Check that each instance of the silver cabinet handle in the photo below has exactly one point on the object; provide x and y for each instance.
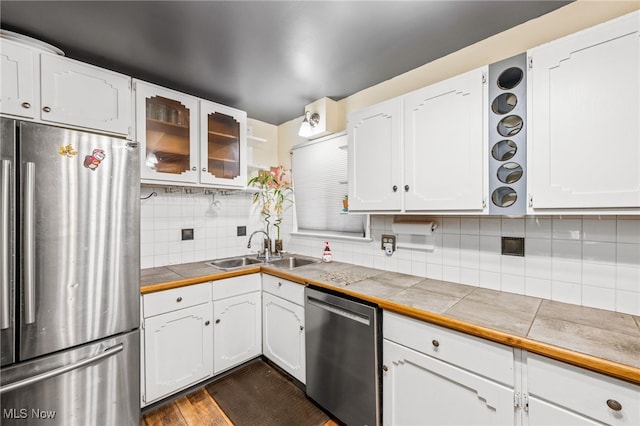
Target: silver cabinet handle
(385, 368)
(26, 105)
(301, 327)
(179, 299)
(204, 169)
(435, 343)
(29, 244)
(279, 284)
(614, 405)
(4, 250)
(218, 321)
(46, 109)
(194, 168)
(58, 371)
(207, 322)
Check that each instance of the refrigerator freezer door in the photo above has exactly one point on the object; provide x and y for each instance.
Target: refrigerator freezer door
(94, 384)
(79, 198)
(7, 240)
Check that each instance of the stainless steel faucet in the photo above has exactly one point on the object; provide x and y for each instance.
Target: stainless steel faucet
(265, 250)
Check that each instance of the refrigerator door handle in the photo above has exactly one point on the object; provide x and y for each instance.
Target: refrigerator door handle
(58, 371)
(29, 244)
(5, 172)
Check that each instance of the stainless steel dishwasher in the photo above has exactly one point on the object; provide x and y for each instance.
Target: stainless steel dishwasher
(342, 354)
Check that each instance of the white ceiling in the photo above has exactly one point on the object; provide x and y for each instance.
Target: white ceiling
(269, 58)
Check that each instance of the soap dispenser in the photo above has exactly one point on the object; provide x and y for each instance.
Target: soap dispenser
(326, 254)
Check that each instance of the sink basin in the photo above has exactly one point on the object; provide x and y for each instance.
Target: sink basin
(292, 262)
(233, 262)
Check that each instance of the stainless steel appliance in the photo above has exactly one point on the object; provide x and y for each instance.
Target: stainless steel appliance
(69, 206)
(342, 354)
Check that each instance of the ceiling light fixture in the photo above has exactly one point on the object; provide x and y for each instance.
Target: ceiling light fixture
(310, 121)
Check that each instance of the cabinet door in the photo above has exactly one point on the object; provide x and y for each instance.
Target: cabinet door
(17, 68)
(223, 145)
(178, 348)
(167, 129)
(237, 332)
(445, 139)
(83, 95)
(584, 136)
(283, 335)
(375, 158)
(420, 390)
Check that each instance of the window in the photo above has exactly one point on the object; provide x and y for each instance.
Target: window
(320, 184)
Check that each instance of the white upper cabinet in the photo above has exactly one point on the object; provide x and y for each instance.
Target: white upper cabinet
(375, 157)
(423, 152)
(584, 127)
(17, 71)
(223, 145)
(84, 95)
(444, 145)
(167, 129)
(50, 88)
(189, 141)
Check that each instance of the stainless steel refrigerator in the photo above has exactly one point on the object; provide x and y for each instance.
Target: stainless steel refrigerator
(70, 262)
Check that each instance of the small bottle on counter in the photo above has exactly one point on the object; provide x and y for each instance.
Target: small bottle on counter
(326, 254)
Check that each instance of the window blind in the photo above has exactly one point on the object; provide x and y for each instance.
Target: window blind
(319, 171)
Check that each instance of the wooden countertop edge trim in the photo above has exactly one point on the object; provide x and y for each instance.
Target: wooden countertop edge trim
(152, 288)
(609, 368)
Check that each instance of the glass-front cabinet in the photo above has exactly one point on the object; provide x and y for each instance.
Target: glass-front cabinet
(189, 141)
(167, 129)
(223, 145)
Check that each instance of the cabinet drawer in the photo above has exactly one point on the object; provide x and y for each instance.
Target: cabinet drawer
(177, 298)
(288, 290)
(235, 286)
(583, 391)
(480, 356)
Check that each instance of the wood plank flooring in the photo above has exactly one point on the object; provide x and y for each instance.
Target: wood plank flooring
(196, 409)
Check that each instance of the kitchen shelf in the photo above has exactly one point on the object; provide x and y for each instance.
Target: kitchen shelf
(168, 124)
(255, 141)
(231, 138)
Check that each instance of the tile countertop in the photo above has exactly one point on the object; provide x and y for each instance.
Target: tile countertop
(600, 340)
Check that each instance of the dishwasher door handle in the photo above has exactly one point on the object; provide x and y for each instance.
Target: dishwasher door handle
(338, 310)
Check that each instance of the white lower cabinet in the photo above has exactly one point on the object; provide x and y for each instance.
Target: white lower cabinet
(560, 393)
(283, 326)
(420, 390)
(237, 313)
(177, 339)
(448, 380)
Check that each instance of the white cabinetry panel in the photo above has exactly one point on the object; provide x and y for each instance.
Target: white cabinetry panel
(17, 71)
(584, 132)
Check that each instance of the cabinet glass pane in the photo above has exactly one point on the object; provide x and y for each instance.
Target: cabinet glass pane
(168, 147)
(223, 150)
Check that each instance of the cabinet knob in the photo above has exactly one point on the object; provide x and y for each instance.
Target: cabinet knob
(179, 299)
(218, 321)
(385, 368)
(435, 343)
(614, 405)
(406, 188)
(279, 284)
(395, 188)
(194, 168)
(26, 105)
(46, 109)
(207, 322)
(204, 169)
(301, 327)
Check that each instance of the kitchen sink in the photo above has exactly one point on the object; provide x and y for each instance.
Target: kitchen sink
(234, 262)
(292, 262)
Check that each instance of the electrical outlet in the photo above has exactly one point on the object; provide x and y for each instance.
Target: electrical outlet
(388, 239)
(241, 231)
(513, 246)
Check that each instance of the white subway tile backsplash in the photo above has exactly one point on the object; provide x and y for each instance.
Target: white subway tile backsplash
(566, 228)
(584, 260)
(597, 229)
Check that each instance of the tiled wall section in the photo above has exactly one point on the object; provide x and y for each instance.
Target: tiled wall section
(583, 260)
(214, 219)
